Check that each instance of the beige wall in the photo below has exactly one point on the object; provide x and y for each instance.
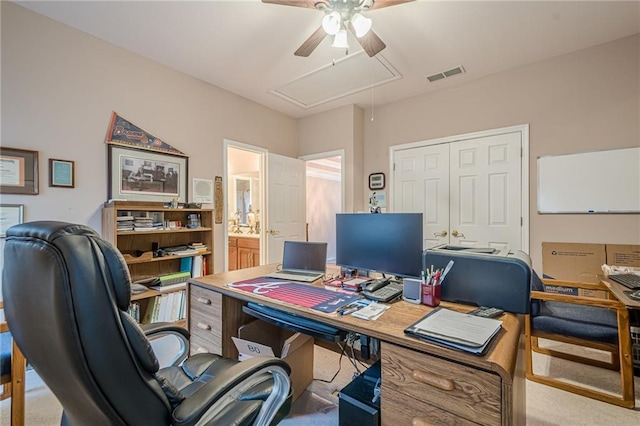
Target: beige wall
(59, 87)
(585, 101)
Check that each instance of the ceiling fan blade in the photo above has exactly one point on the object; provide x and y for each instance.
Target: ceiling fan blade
(311, 43)
(379, 4)
(370, 42)
(311, 4)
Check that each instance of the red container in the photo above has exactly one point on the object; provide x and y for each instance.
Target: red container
(431, 295)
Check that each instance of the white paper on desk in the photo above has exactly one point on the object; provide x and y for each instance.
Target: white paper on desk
(452, 326)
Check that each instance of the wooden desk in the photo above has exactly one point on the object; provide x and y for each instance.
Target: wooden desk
(618, 290)
(422, 383)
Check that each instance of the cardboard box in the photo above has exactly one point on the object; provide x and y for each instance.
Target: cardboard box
(259, 338)
(573, 261)
(623, 255)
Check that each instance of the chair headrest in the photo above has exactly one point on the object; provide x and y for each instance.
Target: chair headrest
(51, 231)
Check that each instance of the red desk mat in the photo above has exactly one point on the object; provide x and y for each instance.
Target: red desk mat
(304, 295)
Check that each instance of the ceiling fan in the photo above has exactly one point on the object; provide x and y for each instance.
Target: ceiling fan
(340, 16)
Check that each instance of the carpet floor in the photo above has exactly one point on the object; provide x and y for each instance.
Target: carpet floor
(318, 405)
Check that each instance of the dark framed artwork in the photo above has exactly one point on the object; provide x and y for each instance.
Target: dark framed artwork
(18, 171)
(10, 214)
(141, 175)
(62, 173)
(376, 181)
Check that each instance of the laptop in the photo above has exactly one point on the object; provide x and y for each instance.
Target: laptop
(302, 261)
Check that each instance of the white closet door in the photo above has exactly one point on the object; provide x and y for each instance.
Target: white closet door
(485, 198)
(469, 191)
(421, 184)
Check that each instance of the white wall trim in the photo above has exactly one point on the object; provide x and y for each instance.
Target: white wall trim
(524, 166)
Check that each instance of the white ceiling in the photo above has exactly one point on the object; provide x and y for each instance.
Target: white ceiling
(246, 46)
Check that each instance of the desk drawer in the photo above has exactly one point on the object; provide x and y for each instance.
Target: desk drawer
(205, 302)
(198, 345)
(398, 410)
(206, 328)
(455, 388)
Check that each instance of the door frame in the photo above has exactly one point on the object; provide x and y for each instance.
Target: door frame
(226, 144)
(524, 166)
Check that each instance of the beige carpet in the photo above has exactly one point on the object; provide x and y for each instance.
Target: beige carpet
(318, 406)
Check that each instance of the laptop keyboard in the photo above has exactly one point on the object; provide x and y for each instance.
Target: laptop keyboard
(299, 273)
(631, 281)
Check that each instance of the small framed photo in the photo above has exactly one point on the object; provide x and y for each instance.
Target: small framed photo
(10, 214)
(376, 181)
(18, 171)
(61, 173)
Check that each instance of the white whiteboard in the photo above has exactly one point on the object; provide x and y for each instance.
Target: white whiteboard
(590, 182)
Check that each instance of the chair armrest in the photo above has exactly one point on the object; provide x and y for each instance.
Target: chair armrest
(215, 394)
(578, 300)
(153, 330)
(157, 330)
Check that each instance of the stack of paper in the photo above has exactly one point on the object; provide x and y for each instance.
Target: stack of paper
(470, 333)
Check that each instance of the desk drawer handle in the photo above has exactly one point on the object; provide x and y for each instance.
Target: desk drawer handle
(204, 326)
(433, 380)
(204, 300)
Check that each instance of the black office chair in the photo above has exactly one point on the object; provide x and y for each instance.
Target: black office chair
(66, 293)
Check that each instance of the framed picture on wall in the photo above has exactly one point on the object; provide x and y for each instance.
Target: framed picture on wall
(61, 173)
(140, 175)
(376, 181)
(10, 214)
(18, 171)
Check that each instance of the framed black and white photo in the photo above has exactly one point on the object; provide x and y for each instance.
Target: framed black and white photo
(140, 175)
(61, 173)
(376, 181)
(10, 214)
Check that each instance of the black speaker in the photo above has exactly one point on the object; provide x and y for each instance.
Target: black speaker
(411, 290)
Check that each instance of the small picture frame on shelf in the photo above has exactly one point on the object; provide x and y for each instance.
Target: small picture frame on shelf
(376, 181)
(61, 173)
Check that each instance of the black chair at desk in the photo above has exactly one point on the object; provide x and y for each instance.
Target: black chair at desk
(66, 294)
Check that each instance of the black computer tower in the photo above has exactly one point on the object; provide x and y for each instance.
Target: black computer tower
(356, 401)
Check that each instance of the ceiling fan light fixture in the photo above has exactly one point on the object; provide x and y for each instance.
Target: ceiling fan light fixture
(331, 23)
(361, 24)
(340, 40)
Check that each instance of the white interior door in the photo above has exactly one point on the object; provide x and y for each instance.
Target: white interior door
(485, 195)
(286, 213)
(421, 184)
(469, 191)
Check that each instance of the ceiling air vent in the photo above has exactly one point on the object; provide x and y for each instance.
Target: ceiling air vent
(445, 74)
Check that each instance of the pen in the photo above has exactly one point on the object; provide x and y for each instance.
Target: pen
(350, 310)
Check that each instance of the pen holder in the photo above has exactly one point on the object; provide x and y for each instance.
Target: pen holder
(431, 295)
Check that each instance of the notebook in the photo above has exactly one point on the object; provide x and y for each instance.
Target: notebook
(302, 261)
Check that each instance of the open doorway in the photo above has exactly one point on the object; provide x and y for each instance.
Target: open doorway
(325, 189)
(244, 205)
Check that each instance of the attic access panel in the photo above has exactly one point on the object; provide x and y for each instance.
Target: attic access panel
(346, 76)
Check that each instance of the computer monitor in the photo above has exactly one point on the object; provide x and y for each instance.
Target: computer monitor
(389, 243)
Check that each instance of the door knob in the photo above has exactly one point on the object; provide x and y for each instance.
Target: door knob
(273, 232)
(442, 233)
(457, 234)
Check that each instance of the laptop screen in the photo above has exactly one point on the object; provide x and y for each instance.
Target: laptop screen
(305, 256)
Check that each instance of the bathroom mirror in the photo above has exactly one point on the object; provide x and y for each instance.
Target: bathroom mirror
(243, 199)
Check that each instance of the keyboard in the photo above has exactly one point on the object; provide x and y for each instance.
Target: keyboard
(300, 273)
(631, 281)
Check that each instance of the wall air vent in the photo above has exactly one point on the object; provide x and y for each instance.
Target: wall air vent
(446, 74)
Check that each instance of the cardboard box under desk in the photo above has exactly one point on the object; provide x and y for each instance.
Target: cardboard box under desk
(259, 338)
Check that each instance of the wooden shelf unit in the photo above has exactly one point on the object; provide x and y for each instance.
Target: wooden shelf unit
(137, 246)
